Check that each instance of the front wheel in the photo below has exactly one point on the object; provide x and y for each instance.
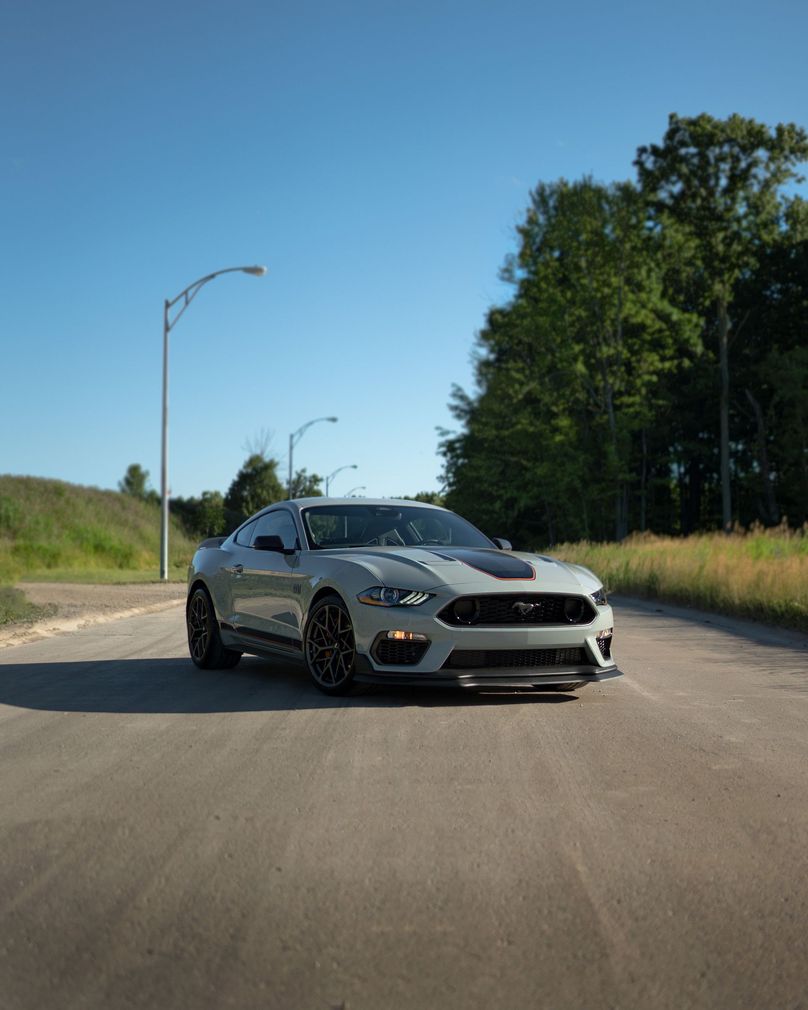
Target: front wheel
(204, 641)
(329, 646)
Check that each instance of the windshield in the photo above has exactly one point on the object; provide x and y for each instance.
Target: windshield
(388, 526)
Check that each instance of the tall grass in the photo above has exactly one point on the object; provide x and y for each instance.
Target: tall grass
(49, 525)
(758, 573)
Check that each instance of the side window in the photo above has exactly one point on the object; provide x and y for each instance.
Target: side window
(244, 537)
(278, 524)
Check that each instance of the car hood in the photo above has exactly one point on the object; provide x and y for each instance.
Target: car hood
(475, 569)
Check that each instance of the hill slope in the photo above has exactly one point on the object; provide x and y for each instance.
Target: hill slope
(50, 525)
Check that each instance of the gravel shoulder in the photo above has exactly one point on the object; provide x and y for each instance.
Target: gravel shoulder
(78, 605)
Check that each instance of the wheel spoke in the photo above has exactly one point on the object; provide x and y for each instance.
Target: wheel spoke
(198, 627)
(330, 646)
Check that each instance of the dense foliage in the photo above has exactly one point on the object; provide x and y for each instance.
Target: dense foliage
(651, 368)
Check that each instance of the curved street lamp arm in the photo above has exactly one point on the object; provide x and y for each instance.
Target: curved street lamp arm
(331, 476)
(192, 290)
(296, 436)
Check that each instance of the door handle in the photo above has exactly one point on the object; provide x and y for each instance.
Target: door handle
(236, 569)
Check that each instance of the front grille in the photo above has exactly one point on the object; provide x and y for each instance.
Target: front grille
(605, 646)
(517, 609)
(392, 653)
(516, 658)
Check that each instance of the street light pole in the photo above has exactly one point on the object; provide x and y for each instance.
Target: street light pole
(294, 438)
(331, 476)
(359, 487)
(188, 294)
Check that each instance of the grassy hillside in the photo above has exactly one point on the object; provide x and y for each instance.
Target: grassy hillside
(762, 574)
(50, 528)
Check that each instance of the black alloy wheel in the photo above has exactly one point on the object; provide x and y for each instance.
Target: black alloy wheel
(204, 641)
(329, 646)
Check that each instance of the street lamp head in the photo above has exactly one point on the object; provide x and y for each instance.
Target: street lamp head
(332, 419)
(255, 271)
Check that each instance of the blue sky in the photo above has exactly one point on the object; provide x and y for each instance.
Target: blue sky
(375, 156)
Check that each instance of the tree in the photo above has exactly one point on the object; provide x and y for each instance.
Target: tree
(305, 485)
(568, 371)
(429, 497)
(770, 376)
(135, 482)
(254, 486)
(718, 184)
(211, 520)
(204, 516)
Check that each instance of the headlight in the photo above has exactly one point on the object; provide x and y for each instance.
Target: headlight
(599, 598)
(383, 596)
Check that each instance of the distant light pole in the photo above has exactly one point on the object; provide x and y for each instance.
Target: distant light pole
(294, 438)
(331, 476)
(359, 487)
(168, 324)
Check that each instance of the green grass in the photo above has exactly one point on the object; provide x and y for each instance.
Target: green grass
(760, 574)
(51, 529)
(15, 607)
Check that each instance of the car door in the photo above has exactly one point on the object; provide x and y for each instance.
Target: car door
(270, 591)
(240, 561)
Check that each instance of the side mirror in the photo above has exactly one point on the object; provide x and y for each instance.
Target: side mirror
(504, 545)
(271, 544)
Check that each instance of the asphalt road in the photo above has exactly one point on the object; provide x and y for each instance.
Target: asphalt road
(171, 838)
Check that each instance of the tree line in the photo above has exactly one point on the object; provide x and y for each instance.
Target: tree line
(255, 485)
(215, 514)
(650, 371)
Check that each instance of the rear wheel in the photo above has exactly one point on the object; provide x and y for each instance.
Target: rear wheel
(329, 647)
(204, 641)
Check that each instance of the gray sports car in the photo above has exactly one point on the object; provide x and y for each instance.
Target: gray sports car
(395, 592)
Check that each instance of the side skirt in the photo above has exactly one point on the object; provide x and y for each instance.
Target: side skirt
(251, 638)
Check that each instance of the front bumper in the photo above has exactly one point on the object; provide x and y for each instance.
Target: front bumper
(436, 668)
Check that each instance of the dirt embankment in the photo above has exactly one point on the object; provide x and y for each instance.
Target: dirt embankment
(75, 605)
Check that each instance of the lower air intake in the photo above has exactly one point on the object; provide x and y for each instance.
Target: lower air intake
(605, 646)
(392, 653)
(525, 659)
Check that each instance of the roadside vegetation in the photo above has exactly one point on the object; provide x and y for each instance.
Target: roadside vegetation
(49, 528)
(760, 574)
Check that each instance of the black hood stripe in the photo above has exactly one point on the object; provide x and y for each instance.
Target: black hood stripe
(498, 564)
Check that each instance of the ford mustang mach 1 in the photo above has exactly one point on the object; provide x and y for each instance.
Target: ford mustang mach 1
(395, 592)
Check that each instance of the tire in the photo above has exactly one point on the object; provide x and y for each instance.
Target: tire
(204, 641)
(570, 688)
(329, 648)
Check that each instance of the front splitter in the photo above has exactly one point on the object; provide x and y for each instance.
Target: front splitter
(490, 678)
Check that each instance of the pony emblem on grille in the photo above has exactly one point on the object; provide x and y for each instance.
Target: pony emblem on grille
(524, 609)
